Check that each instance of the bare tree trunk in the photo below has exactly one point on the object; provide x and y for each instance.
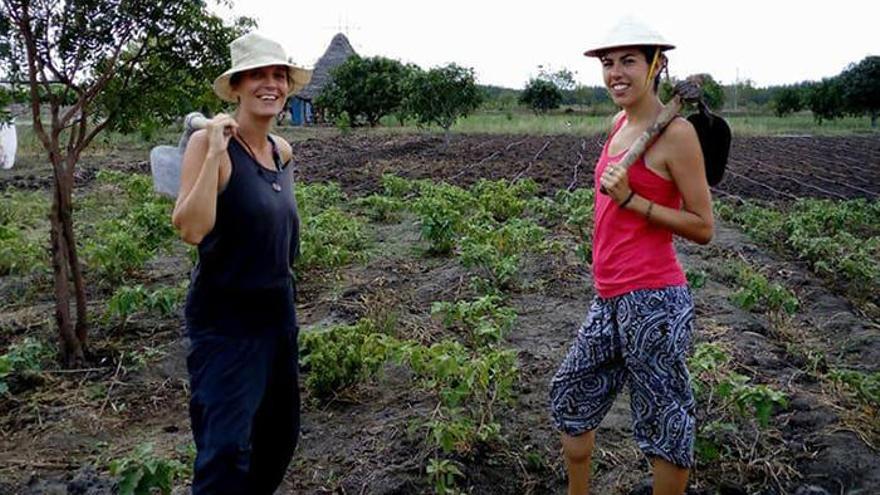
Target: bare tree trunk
(71, 348)
(73, 259)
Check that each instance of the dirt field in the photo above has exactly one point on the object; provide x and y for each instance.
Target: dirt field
(56, 434)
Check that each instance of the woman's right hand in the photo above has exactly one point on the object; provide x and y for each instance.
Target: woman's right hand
(220, 130)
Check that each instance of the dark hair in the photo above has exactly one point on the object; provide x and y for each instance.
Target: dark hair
(650, 52)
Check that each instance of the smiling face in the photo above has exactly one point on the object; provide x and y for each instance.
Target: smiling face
(263, 90)
(625, 72)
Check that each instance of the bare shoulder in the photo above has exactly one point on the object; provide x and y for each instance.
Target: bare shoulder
(283, 147)
(680, 132)
(198, 138)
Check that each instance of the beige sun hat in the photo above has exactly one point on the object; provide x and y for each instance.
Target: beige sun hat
(630, 32)
(254, 50)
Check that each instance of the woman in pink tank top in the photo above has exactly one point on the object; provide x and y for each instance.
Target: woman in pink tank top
(639, 326)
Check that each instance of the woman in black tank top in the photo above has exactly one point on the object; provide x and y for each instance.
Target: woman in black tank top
(236, 203)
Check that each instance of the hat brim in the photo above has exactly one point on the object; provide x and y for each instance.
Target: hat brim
(597, 52)
(299, 78)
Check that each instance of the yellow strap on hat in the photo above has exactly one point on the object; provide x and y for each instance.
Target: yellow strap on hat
(653, 66)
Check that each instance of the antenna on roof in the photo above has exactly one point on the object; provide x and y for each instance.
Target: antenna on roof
(343, 26)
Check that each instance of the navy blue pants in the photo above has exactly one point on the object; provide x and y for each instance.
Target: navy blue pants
(244, 410)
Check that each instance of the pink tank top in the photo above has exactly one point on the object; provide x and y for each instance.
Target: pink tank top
(628, 253)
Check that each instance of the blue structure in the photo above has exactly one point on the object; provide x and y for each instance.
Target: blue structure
(302, 111)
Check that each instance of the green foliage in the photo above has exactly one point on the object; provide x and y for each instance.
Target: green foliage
(574, 210)
(541, 95)
(127, 301)
(18, 254)
(495, 248)
(23, 209)
(788, 100)
(756, 292)
(696, 278)
(442, 473)
(120, 247)
(442, 95)
(713, 440)
(865, 385)
(365, 89)
(485, 320)
(825, 99)
(142, 472)
(330, 239)
(441, 209)
(861, 88)
(340, 356)
(381, 208)
(708, 368)
(397, 187)
(24, 358)
(504, 199)
(312, 199)
(840, 239)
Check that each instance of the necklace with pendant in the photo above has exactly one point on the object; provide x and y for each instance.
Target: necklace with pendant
(273, 181)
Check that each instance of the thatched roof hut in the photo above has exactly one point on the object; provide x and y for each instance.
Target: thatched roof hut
(335, 55)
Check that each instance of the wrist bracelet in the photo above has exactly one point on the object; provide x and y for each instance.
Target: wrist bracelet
(628, 199)
(648, 212)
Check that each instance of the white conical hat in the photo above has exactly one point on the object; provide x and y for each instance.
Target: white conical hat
(254, 50)
(630, 32)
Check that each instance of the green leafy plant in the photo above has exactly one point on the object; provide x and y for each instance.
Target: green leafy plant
(484, 319)
(442, 209)
(503, 199)
(865, 385)
(443, 474)
(496, 249)
(128, 300)
(757, 292)
(380, 208)
(330, 239)
(24, 358)
(397, 187)
(340, 356)
(142, 472)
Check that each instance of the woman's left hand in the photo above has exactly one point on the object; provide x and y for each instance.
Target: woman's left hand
(616, 183)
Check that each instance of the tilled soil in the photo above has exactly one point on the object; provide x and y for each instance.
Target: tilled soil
(362, 442)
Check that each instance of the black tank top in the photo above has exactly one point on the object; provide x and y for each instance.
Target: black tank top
(242, 282)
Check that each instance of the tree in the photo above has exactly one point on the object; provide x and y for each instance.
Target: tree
(825, 99)
(788, 100)
(861, 88)
(123, 65)
(442, 95)
(541, 95)
(366, 89)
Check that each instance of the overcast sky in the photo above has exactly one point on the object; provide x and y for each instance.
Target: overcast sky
(770, 42)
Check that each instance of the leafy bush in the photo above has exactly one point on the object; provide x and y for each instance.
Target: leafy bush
(340, 356)
(397, 187)
(865, 385)
(484, 319)
(127, 301)
(312, 199)
(24, 358)
(142, 472)
(502, 199)
(18, 254)
(496, 249)
(381, 208)
(330, 239)
(442, 209)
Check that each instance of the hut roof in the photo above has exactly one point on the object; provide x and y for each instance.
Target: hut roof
(335, 55)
